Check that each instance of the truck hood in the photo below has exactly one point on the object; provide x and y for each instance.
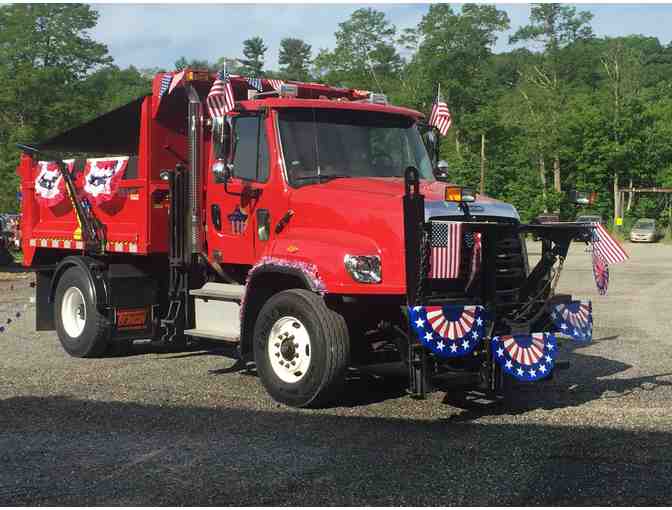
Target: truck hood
(435, 206)
(362, 216)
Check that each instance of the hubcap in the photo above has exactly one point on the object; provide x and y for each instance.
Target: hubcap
(73, 312)
(289, 349)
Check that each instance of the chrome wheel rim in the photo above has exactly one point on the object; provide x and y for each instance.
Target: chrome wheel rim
(289, 349)
(73, 312)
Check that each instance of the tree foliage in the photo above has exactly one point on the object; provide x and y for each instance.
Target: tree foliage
(294, 58)
(254, 50)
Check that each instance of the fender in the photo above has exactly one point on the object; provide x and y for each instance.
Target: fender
(93, 269)
(266, 278)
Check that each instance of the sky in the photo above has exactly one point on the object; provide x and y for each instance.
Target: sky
(156, 35)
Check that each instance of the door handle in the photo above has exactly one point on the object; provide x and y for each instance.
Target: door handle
(216, 214)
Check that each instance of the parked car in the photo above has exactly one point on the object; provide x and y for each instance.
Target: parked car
(645, 230)
(589, 218)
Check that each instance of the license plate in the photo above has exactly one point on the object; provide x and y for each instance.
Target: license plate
(131, 319)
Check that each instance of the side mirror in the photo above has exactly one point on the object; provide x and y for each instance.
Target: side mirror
(441, 171)
(221, 138)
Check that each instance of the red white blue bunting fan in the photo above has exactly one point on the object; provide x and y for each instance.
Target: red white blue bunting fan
(49, 183)
(102, 177)
(449, 331)
(525, 357)
(601, 273)
(574, 319)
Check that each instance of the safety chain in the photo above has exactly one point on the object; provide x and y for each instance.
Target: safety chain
(423, 269)
(552, 283)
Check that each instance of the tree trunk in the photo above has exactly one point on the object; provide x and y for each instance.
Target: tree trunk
(457, 142)
(542, 175)
(482, 163)
(630, 193)
(556, 174)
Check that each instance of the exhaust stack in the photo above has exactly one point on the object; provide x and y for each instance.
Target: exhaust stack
(194, 221)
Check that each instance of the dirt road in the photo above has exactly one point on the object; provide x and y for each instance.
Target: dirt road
(180, 429)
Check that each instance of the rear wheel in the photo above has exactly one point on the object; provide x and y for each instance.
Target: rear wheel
(301, 349)
(82, 329)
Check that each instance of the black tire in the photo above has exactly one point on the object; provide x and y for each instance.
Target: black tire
(329, 343)
(93, 340)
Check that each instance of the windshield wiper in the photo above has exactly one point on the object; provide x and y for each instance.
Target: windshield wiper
(322, 177)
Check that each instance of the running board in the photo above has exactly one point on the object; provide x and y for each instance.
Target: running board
(219, 292)
(211, 335)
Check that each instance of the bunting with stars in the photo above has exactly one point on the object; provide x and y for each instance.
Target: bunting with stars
(450, 330)
(525, 357)
(574, 319)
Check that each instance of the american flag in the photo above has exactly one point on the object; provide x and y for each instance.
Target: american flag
(255, 83)
(475, 265)
(276, 84)
(606, 246)
(601, 273)
(440, 117)
(165, 83)
(446, 245)
(220, 98)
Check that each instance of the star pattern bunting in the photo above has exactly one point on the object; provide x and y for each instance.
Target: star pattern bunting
(574, 319)
(449, 331)
(525, 357)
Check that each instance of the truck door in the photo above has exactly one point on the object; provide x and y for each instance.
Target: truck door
(235, 206)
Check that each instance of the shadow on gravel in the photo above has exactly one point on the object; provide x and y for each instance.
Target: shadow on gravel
(61, 451)
(588, 378)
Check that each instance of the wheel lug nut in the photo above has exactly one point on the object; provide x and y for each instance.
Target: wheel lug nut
(277, 345)
(296, 355)
(296, 346)
(277, 354)
(293, 363)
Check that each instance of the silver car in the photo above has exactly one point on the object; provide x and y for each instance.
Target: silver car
(645, 230)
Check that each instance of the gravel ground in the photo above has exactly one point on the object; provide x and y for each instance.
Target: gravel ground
(181, 429)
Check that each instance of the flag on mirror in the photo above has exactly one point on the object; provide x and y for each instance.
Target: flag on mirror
(600, 273)
(165, 83)
(476, 254)
(276, 84)
(255, 83)
(220, 98)
(440, 117)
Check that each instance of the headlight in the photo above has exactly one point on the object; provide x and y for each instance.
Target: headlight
(364, 268)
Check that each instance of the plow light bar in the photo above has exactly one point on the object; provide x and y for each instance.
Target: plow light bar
(459, 194)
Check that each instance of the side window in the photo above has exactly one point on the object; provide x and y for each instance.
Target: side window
(251, 157)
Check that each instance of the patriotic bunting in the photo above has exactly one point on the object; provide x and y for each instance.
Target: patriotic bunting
(276, 84)
(49, 183)
(525, 357)
(449, 331)
(600, 273)
(165, 83)
(102, 177)
(255, 83)
(574, 319)
(177, 79)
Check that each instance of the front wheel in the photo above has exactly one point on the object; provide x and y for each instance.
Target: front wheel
(301, 349)
(82, 329)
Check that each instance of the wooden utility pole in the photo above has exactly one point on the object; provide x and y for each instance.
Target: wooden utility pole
(482, 163)
(617, 205)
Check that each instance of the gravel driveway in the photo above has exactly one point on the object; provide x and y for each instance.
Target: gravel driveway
(182, 429)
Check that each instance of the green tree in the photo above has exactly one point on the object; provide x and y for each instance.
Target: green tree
(554, 26)
(294, 57)
(365, 55)
(194, 63)
(45, 54)
(254, 50)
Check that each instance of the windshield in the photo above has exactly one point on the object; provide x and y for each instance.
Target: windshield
(644, 224)
(328, 143)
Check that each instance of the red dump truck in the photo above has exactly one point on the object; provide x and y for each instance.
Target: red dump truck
(308, 226)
